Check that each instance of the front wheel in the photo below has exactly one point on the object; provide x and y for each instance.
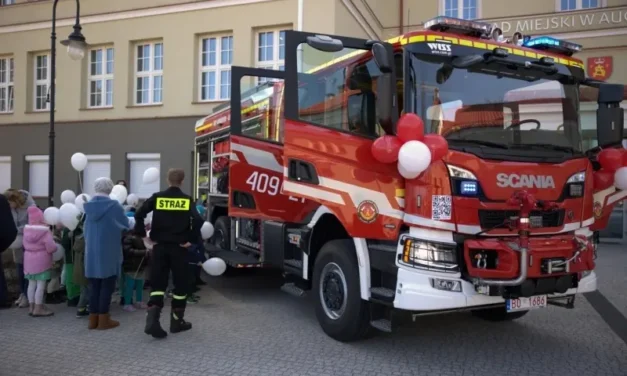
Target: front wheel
(341, 312)
(498, 314)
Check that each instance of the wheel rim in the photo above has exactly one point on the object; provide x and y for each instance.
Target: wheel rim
(333, 290)
(218, 239)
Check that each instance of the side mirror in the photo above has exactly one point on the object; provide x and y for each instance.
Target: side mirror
(386, 85)
(325, 43)
(610, 116)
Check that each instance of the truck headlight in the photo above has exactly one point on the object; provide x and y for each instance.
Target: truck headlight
(431, 256)
(575, 184)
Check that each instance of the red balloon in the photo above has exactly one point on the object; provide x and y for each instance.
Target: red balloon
(437, 144)
(602, 179)
(624, 152)
(610, 159)
(410, 127)
(385, 149)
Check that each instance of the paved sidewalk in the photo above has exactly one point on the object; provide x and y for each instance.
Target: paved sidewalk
(247, 326)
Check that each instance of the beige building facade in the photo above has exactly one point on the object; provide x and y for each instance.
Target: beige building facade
(154, 67)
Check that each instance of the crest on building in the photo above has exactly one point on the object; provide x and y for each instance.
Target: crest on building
(600, 68)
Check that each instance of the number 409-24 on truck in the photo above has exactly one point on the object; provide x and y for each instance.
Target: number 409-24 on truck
(440, 171)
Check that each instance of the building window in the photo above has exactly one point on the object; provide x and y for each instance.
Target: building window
(149, 73)
(139, 163)
(37, 175)
(270, 51)
(6, 85)
(466, 9)
(99, 166)
(100, 78)
(216, 57)
(5, 173)
(42, 82)
(566, 5)
(7, 2)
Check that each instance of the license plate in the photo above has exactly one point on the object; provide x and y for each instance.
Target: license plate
(524, 304)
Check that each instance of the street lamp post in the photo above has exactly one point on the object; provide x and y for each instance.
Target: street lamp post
(76, 47)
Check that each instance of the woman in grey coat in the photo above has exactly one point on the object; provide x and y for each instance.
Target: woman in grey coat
(19, 200)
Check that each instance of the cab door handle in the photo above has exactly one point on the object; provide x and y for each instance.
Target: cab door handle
(302, 171)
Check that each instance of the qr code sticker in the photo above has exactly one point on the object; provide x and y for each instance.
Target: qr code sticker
(441, 207)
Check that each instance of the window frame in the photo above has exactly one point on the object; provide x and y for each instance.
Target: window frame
(103, 77)
(276, 63)
(37, 82)
(217, 68)
(579, 6)
(460, 9)
(9, 84)
(151, 73)
(5, 3)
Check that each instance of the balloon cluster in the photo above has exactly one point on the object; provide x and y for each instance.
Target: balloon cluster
(613, 169)
(413, 150)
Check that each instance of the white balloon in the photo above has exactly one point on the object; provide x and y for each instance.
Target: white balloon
(131, 222)
(148, 219)
(68, 196)
(69, 215)
(206, 231)
(121, 192)
(51, 216)
(215, 266)
(81, 200)
(59, 253)
(79, 161)
(132, 199)
(151, 175)
(620, 178)
(414, 158)
(147, 241)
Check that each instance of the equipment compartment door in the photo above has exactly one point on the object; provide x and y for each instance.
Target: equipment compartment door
(330, 125)
(256, 162)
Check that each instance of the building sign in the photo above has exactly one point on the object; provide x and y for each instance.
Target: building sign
(600, 68)
(571, 22)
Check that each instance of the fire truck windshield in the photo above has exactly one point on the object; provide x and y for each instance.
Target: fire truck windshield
(493, 106)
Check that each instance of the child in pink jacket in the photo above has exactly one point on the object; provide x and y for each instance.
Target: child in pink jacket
(39, 245)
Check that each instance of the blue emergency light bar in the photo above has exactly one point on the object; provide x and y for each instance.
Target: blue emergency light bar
(459, 26)
(549, 44)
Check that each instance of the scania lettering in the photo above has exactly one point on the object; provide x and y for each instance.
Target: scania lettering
(499, 223)
(524, 181)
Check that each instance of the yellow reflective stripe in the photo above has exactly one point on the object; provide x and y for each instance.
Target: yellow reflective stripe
(179, 297)
(165, 203)
(157, 293)
(175, 316)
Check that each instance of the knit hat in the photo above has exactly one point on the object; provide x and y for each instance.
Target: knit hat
(103, 186)
(35, 216)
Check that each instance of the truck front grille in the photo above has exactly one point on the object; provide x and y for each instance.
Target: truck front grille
(498, 218)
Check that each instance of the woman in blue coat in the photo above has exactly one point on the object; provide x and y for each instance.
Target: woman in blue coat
(104, 223)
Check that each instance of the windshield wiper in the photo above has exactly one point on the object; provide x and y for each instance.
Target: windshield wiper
(567, 149)
(478, 142)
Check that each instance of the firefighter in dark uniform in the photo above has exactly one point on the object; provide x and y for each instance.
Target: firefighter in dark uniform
(175, 226)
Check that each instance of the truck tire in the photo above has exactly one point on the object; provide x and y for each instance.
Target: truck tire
(222, 233)
(222, 239)
(498, 314)
(341, 312)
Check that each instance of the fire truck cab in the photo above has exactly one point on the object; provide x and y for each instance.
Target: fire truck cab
(499, 226)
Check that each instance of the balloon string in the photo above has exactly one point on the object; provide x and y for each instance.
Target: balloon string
(80, 181)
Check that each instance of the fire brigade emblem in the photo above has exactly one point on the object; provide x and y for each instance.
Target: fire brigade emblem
(367, 211)
(600, 68)
(597, 210)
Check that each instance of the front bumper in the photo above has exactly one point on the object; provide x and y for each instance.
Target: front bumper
(414, 292)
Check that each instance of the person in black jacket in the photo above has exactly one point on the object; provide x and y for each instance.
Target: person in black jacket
(134, 265)
(175, 227)
(8, 233)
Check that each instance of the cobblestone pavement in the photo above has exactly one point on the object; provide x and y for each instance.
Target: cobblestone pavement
(247, 326)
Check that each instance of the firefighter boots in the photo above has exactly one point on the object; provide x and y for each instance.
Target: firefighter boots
(153, 327)
(177, 323)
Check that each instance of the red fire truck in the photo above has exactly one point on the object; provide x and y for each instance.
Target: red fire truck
(501, 225)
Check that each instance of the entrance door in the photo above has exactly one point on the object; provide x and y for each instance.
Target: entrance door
(330, 124)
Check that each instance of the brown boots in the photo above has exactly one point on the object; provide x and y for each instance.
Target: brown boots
(101, 322)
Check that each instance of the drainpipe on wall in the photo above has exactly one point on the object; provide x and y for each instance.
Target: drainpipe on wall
(400, 17)
(299, 27)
